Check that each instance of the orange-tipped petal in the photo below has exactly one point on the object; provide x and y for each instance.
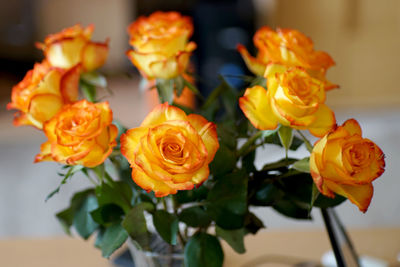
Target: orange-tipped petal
(324, 121)
(255, 66)
(352, 127)
(94, 55)
(208, 132)
(163, 113)
(255, 104)
(69, 84)
(360, 195)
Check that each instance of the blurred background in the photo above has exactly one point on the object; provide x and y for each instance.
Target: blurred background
(363, 37)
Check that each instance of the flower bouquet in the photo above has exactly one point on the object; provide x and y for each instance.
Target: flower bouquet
(186, 175)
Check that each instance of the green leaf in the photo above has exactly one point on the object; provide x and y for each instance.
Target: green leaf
(289, 208)
(166, 225)
(213, 97)
(286, 136)
(94, 78)
(280, 164)
(203, 250)
(327, 202)
(227, 135)
(227, 200)
(268, 133)
(224, 161)
(235, 238)
(99, 237)
(135, 224)
(192, 88)
(114, 237)
(194, 195)
(71, 171)
(195, 217)
(273, 138)
(107, 213)
(83, 222)
(259, 80)
(165, 89)
(266, 195)
(252, 223)
(302, 165)
(120, 193)
(248, 161)
(179, 85)
(314, 195)
(66, 216)
(89, 91)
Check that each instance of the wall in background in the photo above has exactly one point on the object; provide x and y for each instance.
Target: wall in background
(363, 37)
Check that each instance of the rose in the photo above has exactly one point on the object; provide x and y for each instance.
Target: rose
(170, 151)
(289, 48)
(294, 99)
(160, 44)
(80, 134)
(343, 162)
(42, 93)
(72, 46)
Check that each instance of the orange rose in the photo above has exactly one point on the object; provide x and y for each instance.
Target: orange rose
(343, 162)
(80, 134)
(294, 99)
(160, 44)
(289, 48)
(72, 46)
(42, 93)
(170, 151)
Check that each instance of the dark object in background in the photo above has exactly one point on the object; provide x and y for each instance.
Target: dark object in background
(218, 27)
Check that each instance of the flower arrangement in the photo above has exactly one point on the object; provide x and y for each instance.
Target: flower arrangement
(190, 171)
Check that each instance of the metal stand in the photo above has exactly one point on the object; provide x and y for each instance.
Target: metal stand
(342, 246)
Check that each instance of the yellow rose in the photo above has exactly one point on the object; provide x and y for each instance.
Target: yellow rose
(170, 151)
(294, 99)
(160, 44)
(343, 162)
(80, 134)
(289, 48)
(72, 46)
(42, 93)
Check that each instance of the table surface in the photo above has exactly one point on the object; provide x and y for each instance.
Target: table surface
(266, 246)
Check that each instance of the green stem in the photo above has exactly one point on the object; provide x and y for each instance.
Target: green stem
(175, 206)
(108, 178)
(164, 202)
(91, 180)
(243, 150)
(308, 144)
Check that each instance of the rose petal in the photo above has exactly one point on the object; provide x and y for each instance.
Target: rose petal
(94, 55)
(255, 104)
(255, 66)
(360, 195)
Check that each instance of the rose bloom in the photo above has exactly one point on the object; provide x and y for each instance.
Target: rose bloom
(72, 46)
(160, 44)
(294, 99)
(170, 151)
(80, 134)
(42, 93)
(289, 48)
(345, 163)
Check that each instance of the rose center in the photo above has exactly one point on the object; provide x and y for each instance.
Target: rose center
(172, 150)
(360, 156)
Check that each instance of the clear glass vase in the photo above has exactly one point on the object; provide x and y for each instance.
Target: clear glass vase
(161, 254)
